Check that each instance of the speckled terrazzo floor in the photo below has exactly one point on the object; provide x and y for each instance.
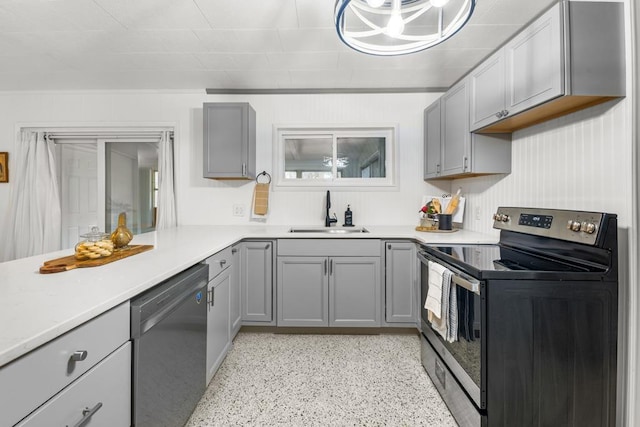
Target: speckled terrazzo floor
(322, 380)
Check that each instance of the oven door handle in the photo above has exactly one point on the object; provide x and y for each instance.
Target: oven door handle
(471, 285)
(468, 285)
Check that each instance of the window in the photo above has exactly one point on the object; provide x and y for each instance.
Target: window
(334, 157)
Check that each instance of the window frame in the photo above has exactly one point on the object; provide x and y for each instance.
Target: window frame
(387, 131)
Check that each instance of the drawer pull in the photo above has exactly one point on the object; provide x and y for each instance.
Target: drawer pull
(87, 414)
(223, 262)
(79, 355)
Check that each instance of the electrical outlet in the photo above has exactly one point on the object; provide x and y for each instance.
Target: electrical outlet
(238, 210)
(477, 213)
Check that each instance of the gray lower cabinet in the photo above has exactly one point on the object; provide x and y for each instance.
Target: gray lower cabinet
(101, 397)
(328, 291)
(354, 291)
(89, 367)
(235, 311)
(256, 282)
(303, 291)
(401, 283)
(218, 325)
(229, 149)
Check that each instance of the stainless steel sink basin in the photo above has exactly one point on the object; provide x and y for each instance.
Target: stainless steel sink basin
(329, 230)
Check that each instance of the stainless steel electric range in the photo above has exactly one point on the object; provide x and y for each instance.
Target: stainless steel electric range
(526, 333)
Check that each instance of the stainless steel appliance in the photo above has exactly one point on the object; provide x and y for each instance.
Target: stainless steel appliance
(532, 332)
(169, 333)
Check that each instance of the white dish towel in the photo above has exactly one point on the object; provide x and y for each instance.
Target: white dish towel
(433, 303)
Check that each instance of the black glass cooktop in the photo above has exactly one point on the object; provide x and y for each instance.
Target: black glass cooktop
(475, 259)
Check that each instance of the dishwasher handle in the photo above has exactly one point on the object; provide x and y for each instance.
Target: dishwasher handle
(158, 303)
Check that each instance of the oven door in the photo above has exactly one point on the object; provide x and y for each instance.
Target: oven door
(465, 356)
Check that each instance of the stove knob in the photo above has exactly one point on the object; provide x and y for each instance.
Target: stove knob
(496, 216)
(504, 218)
(588, 227)
(573, 225)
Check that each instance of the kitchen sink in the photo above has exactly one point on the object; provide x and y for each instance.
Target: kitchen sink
(329, 230)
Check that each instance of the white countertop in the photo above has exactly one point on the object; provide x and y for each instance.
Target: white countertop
(36, 308)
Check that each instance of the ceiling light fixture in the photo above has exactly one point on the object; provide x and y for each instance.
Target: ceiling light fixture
(398, 27)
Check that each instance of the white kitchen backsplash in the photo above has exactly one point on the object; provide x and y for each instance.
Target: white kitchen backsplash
(581, 161)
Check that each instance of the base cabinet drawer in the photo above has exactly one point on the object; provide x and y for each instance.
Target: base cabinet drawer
(100, 397)
(33, 379)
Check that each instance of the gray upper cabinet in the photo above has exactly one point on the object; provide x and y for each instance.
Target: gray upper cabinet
(432, 140)
(570, 58)
(451, 150)
(256, 282)
(454, 130)
(229, 149)
(401, 283)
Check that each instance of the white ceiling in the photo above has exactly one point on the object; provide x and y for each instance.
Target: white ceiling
(224, 44)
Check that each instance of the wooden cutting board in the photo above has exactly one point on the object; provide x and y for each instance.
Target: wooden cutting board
(70, 262)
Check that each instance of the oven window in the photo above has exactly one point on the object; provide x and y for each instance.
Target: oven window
(466, 346)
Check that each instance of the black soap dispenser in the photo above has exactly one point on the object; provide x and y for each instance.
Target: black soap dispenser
(348, 217)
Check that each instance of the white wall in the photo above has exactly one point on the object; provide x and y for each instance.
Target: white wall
(203, 201)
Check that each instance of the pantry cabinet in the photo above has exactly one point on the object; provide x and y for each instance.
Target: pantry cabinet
(451, 150)
(570, 58)
(229, 149)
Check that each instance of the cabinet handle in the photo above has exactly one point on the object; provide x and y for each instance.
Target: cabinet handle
(325, 267)
(79, 355)
(330, 267)
(213, 296)
(244, 169)
(505, 113)
(87, 414)
(389, 246)
(465, 164)
(438, 169)
(223, 262)
(268, 246)
(499, 114)
(234, 251)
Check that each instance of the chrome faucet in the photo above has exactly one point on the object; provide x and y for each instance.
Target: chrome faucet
(327, 219)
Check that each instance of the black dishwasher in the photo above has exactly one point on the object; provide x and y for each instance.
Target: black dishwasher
(169, 334)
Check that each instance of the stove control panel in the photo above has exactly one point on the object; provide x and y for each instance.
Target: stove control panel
(574, 226)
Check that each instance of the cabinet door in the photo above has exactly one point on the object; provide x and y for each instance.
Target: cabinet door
(401, 283)
(256, 281)
(354, 291)
(535, 68)
(235, 314)
(432, 140)
(456, 138)
(487, 87)
(303, 291)
(218, 331)
(229, 140)
(100, 397)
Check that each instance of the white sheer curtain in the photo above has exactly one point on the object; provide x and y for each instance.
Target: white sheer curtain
(34, 220)
(166, 196)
